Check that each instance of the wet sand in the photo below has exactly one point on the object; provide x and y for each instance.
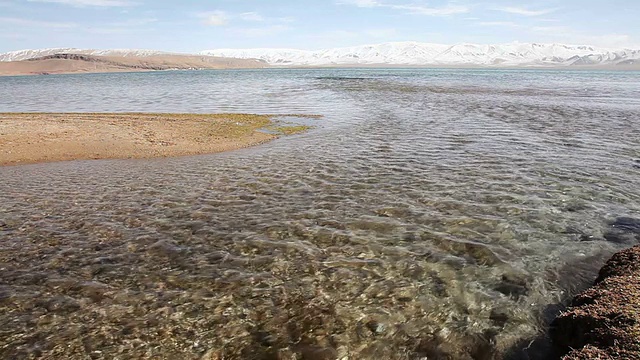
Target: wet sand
(41, 137)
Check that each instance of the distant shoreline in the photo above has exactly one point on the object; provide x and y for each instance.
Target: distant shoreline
(69, 63)
(635, 67)
(27, 138)
(91, 64)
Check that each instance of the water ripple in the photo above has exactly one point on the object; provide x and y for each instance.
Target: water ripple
(431, 213)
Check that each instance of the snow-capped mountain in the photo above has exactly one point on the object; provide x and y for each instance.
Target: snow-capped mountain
(414, 53)
(399, 53)
(31, 54)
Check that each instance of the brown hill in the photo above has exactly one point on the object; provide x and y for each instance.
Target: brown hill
(76, 63)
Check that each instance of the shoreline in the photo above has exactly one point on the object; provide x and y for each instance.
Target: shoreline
(64, 64)
(603, 322)
(334, 67)
(29, 138)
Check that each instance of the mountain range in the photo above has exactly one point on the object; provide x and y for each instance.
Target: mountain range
(397, 53)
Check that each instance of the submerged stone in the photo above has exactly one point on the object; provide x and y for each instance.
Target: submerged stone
(499, 317)
(586, 238)
(60, 304)
(619, 237)
(624, 230)
(165, 248)
(513, 285)
(627, 224)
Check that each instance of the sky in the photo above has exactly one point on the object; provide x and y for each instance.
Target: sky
(190, 25)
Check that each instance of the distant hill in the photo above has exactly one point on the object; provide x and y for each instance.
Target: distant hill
(61, 63)
(30, 54)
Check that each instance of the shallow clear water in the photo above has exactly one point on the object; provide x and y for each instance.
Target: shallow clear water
(431, 213)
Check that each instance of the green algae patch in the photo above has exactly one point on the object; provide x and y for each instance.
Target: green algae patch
(240, 125)
(289, 129)
(235, 125)
(291, 124)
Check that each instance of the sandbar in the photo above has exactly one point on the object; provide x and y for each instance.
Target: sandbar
(27, 138)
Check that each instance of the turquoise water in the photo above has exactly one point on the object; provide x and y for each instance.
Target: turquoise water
(431, 213)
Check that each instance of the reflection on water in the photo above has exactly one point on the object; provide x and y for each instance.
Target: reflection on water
(432, 214)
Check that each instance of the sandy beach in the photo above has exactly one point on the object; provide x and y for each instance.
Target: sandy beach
(43, 137)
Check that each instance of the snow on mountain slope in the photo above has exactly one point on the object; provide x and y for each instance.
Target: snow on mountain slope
(31, 54)
(398, 53)
(414, 53)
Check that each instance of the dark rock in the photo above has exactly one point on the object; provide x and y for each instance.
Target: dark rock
(603, 322)
(375, 327)
(317, 353)
(575, 207)
(624, 230)
(620, 237)
(627, 224)
(513, 285)
(439, 286)
(499, 317)
(585, 238)
(582, 236)
(60, 304)
(94, 290)
(165, 248)
(5, 296)
(263, 338)
(572, 230)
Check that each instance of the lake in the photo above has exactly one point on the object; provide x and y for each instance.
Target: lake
(431, 213)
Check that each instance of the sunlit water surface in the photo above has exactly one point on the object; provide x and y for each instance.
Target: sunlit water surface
(436, 214)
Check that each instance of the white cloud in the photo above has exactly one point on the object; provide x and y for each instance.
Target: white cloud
(550, 29)
(524, 11)
(223, 18)
(251, 16)
(567, 35)
(215, 18)
(122, 27)
(343, 38)
(362, 3)
(36, 23)
(498, 23)
(381, 33)
(13, 36)
(83, 3)
(612, 41)
(287, 19)
(424, 10)
(261, 31)
(413, 8)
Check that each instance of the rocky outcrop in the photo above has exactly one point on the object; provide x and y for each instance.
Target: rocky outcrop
(603, 322)
(68, 57)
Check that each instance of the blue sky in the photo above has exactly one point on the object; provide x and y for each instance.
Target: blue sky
(190, 25)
